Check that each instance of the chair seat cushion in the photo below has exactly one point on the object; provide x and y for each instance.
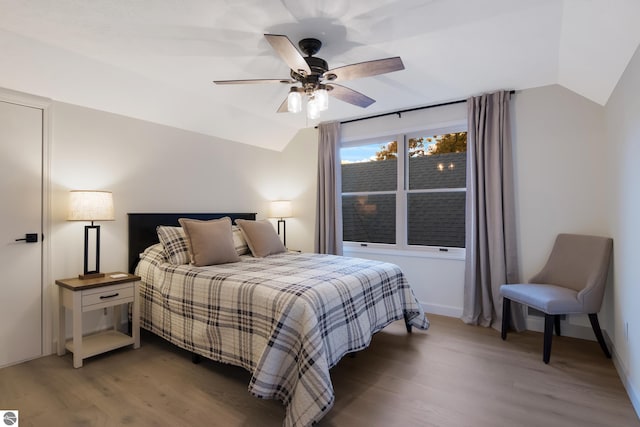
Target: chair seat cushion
(549, 299)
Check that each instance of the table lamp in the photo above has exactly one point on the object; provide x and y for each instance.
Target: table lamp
(91, 206)
(281, 209)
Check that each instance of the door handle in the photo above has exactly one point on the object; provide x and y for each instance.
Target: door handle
(29, 238)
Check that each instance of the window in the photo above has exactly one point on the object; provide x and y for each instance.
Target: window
(416, 199)
(369, 187)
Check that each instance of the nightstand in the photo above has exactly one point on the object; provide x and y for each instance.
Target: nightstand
(81, 296)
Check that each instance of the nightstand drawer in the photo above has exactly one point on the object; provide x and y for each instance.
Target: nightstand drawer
(107, 294)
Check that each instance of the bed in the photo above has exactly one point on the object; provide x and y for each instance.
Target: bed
(287, 318)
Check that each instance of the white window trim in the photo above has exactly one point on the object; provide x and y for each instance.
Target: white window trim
(401, 247)
(410, 251)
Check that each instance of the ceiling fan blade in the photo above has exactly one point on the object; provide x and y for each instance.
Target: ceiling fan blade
(288, 52)
(364, 69)
(284, 107)
(253, 81)
(349, 95)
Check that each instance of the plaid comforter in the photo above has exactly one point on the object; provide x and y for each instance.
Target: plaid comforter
(286, 318)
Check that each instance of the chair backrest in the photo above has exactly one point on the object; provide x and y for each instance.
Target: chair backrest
(577, 262)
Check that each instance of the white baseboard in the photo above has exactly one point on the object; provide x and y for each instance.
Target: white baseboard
(442, 310)
(623, 373)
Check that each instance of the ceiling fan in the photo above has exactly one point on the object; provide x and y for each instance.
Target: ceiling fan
(316, 79)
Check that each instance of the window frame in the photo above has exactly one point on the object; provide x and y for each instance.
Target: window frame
(402, 191)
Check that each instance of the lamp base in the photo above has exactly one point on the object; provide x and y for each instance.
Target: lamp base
(90, 276)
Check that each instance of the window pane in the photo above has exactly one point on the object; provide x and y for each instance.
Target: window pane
(369, 219)
(436, 219)
(438, 161)
(371, 167)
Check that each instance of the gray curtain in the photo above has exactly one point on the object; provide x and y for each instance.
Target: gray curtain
(329, 215)
(491, 252)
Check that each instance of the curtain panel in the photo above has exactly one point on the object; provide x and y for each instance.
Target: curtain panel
(328, 239)
(491, 250)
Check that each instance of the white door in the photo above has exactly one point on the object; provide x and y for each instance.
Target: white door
(20, 213)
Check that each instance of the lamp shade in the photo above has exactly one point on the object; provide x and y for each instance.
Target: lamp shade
(322, 98)
(294, 101)
(90, 206)
(313, 109)
(281, 209)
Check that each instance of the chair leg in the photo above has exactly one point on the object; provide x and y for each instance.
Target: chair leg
(593, 318)
(556, 321)
(506, 316)
(548, 335)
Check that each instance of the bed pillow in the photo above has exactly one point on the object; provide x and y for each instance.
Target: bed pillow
(174, 242)
(209, 242)
(261, 237)
(239, 242)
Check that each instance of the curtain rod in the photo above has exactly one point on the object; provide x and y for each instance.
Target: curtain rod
(399, 112)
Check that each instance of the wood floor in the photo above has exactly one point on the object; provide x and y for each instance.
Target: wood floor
(450, 375)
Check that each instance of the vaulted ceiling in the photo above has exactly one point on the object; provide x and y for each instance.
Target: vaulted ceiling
(155, 59)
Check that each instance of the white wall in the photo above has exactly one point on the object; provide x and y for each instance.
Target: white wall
(560, 172)
(299, 166)
(622, 145)
(154, 168)
(561, 177)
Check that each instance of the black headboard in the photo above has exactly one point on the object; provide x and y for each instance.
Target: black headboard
(142, 228)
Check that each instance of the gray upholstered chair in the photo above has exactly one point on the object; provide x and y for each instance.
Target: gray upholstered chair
(571, 282)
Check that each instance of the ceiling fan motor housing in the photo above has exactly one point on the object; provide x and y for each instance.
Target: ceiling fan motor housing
(318, 67)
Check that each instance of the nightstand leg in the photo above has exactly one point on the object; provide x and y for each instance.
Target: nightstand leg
(77, 329)
(62, 333)
(135, 314)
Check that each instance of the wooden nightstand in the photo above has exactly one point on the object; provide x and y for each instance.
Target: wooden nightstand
(94, 294)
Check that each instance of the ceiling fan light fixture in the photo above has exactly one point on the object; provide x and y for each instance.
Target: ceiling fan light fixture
(294, 101)
(313, 109)
(322, 98)
(316, 78)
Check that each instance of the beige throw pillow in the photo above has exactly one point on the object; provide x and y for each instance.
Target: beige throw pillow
(261, 237)
(209, 242)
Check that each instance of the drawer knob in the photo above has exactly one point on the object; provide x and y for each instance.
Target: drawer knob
(109, 296)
